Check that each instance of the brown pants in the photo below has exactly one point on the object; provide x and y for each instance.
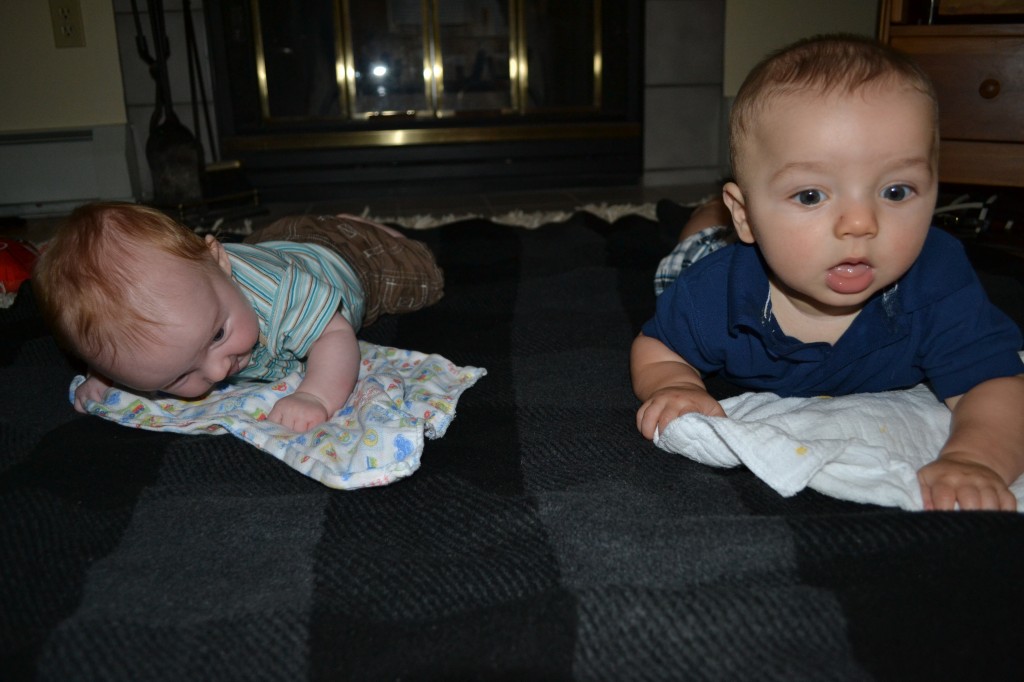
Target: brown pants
(398, 275)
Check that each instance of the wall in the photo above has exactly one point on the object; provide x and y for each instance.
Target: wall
(48, 88)
(74, 121)
(683, 105)
(753, 28)
(696, 55)
(63, 125)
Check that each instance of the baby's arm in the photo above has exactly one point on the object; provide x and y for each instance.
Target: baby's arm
(985, 450)
(332, 368)
(667, 385)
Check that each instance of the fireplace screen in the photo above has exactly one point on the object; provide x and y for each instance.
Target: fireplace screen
(338, 93)
(346, 59)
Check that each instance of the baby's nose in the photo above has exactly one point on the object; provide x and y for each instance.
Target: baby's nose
(218, 369)
(856, 220)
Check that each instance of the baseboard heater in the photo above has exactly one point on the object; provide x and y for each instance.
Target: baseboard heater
(51, 171)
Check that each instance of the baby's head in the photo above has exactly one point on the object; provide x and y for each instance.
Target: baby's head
(143, 299)
(835, 155)
(821, 66)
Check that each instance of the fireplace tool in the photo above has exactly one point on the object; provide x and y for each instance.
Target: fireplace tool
(174, 155)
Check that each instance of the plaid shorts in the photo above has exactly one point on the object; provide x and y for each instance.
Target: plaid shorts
(398, 275)
(688, 252)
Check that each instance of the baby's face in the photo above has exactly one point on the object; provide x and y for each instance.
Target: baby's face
(838, 192)
(207, 333)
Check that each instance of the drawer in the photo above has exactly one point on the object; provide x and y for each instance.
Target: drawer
(979, 80)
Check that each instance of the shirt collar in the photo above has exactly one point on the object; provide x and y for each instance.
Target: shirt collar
(879, 323)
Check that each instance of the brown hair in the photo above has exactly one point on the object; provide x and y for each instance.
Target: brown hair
(90, 288)
(824, 64)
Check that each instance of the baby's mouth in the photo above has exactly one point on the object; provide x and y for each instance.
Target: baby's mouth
(850, 277)
(240, 363)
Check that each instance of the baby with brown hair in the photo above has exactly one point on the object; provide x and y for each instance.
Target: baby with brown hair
(838, 283)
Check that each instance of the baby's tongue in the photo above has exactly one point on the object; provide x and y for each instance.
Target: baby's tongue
(850, 278)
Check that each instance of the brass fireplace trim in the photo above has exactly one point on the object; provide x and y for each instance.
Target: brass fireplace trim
(425, 136)
(433, 82)
(344, 69)
(518, 65)
(433, 66)
(261, 62)
(347, 84)
(598, 54)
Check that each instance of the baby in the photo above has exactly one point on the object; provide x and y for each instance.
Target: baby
(152, 307)
(838, 284)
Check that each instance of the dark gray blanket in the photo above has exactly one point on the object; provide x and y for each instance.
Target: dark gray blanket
(542, 538)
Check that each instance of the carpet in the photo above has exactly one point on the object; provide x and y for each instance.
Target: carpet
(541, 539)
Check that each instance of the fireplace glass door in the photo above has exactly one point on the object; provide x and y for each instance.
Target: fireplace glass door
(359, 59)
(327, 96)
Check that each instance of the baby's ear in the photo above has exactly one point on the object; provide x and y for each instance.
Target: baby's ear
(220, 255)
(732, 195)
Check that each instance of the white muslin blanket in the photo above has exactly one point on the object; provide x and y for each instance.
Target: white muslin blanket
(375, 439)
(865, 447)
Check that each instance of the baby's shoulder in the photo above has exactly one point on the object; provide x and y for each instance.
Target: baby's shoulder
(736, 266)
(730, 277)
(941, 269)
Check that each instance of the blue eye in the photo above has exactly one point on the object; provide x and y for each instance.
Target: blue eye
(219, 335)
(897, 192)
(809, 197)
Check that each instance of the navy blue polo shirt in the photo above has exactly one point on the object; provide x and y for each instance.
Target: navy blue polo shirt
(937, 325)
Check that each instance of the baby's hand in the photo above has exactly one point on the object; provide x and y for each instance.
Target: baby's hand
(94, 388)
(668, 403)
(299, 412)
(947, 482)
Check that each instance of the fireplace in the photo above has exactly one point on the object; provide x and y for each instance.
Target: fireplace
(330, 98)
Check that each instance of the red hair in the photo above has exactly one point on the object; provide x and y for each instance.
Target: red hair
(89, 285)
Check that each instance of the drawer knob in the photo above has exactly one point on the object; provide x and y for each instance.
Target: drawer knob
(989, 88)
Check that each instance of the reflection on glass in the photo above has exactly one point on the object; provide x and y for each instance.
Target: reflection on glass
(559, 53)
(474, 48)
(299, 57)
(387, 50)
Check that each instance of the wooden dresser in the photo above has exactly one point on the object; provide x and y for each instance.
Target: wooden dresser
(976, 60)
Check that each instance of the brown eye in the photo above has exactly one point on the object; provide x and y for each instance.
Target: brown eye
(219, 335)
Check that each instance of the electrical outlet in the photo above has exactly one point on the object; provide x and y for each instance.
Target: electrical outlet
(68, 29)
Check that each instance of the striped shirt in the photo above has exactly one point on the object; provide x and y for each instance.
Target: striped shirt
(295, 289)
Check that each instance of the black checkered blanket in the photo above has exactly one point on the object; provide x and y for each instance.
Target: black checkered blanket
(542, 539)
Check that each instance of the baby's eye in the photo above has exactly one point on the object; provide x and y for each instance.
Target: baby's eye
(219, 335)
(809, 197)
(897, 193)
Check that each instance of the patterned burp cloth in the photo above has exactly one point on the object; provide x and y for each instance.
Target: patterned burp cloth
(401, 397)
